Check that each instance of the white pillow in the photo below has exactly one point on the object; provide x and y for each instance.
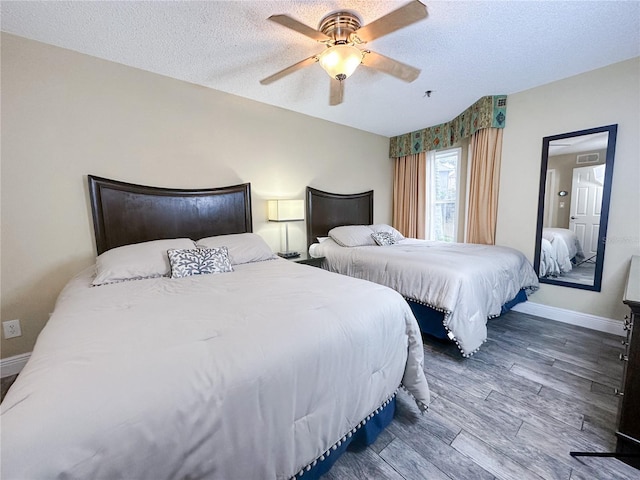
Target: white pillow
(382, 227)
(322, 239)
(137, 261)
(243, 247)
(352, 235)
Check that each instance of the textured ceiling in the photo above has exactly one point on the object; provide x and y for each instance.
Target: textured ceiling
(465, 49)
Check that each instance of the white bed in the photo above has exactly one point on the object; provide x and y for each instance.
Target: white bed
(561, 250)
(453, 289)
(548, 260)
(469, 283)
(262, 372)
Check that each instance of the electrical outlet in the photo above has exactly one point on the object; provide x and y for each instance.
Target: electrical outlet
(12, 328)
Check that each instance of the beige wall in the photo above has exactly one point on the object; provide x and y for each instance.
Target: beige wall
(66, 115)
(601, 97)
(564, 165)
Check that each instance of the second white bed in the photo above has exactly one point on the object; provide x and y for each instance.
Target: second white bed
(468, 282)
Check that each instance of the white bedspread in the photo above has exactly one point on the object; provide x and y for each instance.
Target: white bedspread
(468, 282)
(548, 264)
(564, 247)
(252, 374)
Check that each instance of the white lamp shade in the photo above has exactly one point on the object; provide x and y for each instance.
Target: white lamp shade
(285, 210)
(340, 61)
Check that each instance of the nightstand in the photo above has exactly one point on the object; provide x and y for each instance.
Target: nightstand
(307, 259)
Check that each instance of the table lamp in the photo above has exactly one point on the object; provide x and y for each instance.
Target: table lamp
(286, 211)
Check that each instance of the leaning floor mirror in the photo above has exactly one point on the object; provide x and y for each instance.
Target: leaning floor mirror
(573, 207)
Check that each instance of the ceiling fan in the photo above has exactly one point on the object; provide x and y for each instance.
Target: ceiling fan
(342, 33)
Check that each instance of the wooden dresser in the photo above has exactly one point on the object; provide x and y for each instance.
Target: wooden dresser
(629, 411)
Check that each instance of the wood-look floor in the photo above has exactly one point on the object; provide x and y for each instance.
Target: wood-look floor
(535, 391)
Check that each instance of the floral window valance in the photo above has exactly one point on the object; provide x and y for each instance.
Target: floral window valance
(488, 112)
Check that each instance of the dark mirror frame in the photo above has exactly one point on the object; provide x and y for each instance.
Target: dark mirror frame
(604, 218)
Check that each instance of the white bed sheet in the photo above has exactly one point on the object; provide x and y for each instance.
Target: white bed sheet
(468, 282)
(242, 375)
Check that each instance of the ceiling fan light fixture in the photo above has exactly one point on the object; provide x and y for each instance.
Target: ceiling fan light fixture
(340, 61)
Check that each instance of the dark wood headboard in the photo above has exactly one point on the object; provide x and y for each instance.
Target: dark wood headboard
(327, 210)
(125, 213)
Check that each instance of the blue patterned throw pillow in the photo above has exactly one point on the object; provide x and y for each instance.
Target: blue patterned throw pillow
(199, 261)
(383, 238)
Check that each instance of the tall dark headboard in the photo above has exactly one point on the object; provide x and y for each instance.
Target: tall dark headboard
(125, 213)
(327, 210)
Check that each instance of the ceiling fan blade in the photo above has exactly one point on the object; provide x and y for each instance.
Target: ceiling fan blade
(336, 92)
(400, 18)
(299, 27)
(390, 66)
(296, 66)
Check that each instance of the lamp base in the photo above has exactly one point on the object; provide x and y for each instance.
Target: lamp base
(289, 254)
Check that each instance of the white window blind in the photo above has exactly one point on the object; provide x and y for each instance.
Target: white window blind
(443, 179)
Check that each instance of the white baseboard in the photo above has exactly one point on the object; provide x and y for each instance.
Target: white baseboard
(585, 320)
(12, 365)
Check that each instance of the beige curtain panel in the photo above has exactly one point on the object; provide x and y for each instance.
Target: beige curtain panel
(486, 151)
(409, 195)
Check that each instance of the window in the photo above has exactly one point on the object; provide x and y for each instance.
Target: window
(443, 180)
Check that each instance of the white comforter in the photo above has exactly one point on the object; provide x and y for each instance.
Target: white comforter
(548, 264)
(252, 374)
(468, 282)
(563, 247)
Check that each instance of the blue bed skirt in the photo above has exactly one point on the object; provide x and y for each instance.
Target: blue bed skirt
(430, 320)
(364, 436)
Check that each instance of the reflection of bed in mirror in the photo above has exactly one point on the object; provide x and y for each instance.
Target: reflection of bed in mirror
(561, 251)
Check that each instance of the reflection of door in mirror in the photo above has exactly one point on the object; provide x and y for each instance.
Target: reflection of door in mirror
(573, 208)
(586, 207)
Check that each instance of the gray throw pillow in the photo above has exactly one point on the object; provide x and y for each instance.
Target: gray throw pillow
(383, 238)
(199, 261)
